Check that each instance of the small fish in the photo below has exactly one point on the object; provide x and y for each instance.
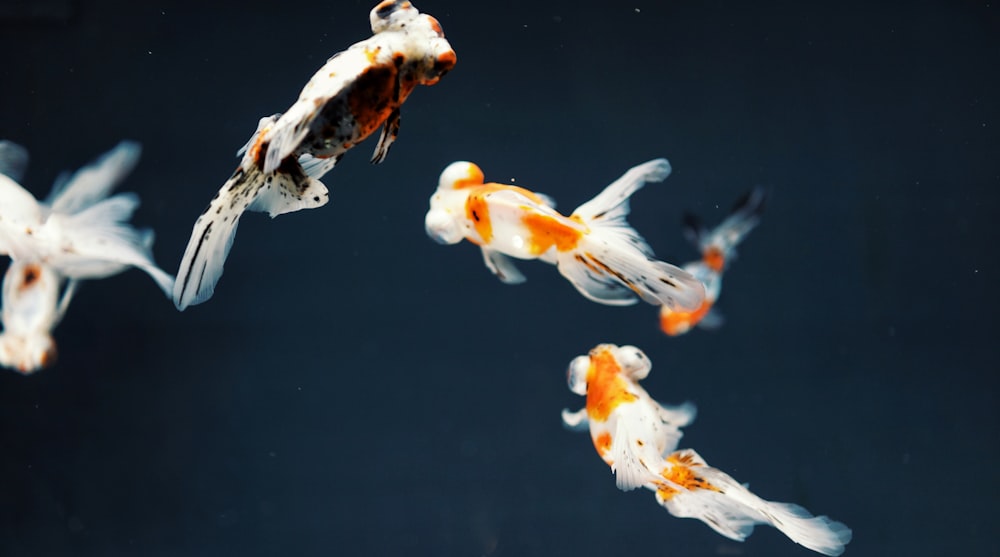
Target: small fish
(349, 98)
(718, 250)
(637, 437)
(594, 248)
(78, 231)
(33, 304)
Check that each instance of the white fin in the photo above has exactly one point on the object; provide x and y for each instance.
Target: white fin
(613, 264)
(95, 181)
(315, 167)
(576, 421)
(712, 320)
(13, 160)
(98, 242)
(681, 415)
(214, 231)
(502, 266)
(612, 203)
(390, 130)
(284, 194)
(629, 472)
(733, 510)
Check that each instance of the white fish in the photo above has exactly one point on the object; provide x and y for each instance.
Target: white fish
(79, 232)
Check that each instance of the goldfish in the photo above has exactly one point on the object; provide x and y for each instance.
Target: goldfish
(357, 91)
(638, 438)
(594, 248)
(718, 250)
(33, 304)
(78, 231)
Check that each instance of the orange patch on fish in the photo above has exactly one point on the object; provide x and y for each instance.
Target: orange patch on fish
(606, 389)
(473, 178)
(714, 258)
(680, 473)
(477, 210)
(676, 323)
(603, 443)
(548, 231)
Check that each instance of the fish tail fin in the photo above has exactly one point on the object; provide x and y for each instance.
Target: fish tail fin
(696, 490)
(718, 246)
(612, 263)
(285, 190)
(105, 243)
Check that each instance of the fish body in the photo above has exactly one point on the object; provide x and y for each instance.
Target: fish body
(351, 96)
(638, 437)
(594, 247)
(718, 249)
(33, 304)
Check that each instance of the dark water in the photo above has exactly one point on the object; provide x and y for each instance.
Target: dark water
(355, 389)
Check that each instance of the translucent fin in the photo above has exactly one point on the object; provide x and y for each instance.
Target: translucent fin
(680, 415)
(731, 231)
(390, 130)
(315, 167)
(287, 190)
(731, 509)
(612, 203)
(98, 242)
(282, 194)
(712, 320)
(575, 421)
(611, 266)
(629, 471)
(13, 160)
(95, 181)
(502, 266)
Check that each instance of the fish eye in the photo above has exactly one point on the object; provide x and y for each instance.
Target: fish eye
(634, 362)
(442, 228)
(576, 374)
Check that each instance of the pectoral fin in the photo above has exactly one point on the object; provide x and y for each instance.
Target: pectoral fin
(390, 129)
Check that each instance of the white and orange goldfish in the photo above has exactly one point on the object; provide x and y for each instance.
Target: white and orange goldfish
(594, 248)
(718, 249)
(350, 97)
(33, 304)
(637, 437)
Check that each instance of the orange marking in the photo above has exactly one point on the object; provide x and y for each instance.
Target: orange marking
(676, 323)
(31, 274)
(603, 443)
(473, 178)
(373, 97)
(606, 388)
(547, 231)
(435, 26)
(477, 210)
(679, 472)
(714, 258)
(256, 151)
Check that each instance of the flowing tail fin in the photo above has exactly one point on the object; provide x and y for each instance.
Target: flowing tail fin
(718, 246)
(696, 490)
(101, 242)
(612, 263)
(287, 189)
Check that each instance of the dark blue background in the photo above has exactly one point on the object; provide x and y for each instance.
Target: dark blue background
(354, 388)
